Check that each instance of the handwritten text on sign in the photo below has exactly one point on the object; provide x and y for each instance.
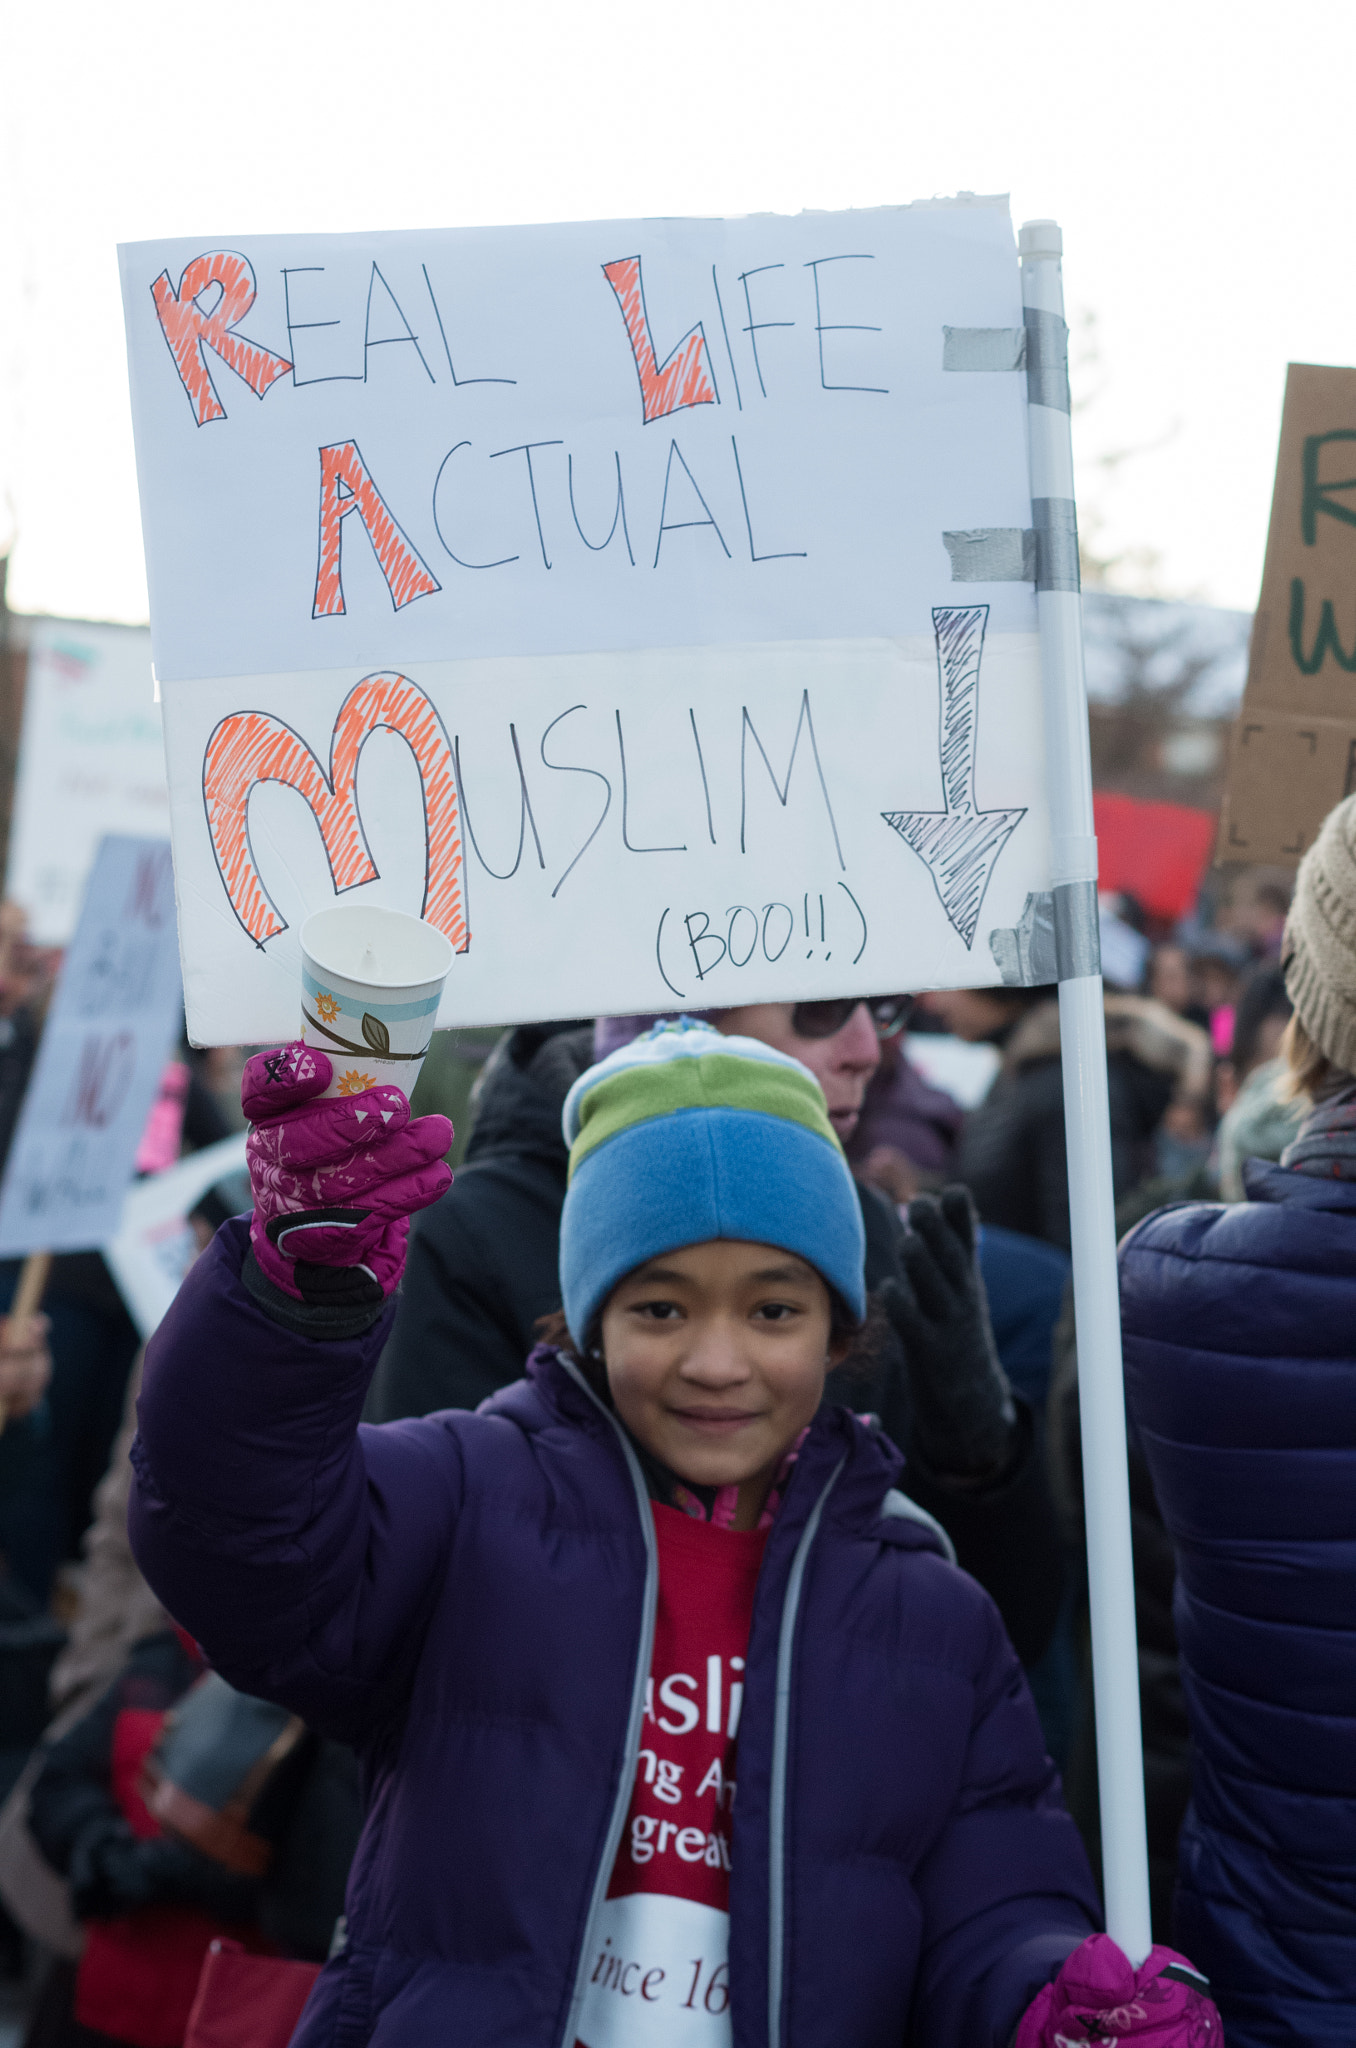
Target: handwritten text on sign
(585, 589)
(113, 1021)
(91, 761)
(373, 450)
(691, 827)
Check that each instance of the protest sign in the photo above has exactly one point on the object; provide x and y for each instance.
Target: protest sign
(113, 1021)
(155, 1242)
(649, 605)
(1293, 754)
(91, 761)
(677, 614)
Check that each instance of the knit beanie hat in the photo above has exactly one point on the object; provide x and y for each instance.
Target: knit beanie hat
(684, 1136)
(1319, 947)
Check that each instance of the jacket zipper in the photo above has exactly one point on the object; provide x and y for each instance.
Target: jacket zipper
(781, 1740)
(644, 1659)
(781, 1735)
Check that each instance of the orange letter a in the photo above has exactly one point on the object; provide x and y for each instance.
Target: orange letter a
(346, 486)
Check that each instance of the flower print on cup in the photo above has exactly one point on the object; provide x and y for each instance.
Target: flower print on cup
(371, 980)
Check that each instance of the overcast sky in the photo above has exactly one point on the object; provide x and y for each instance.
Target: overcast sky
(1196, 154)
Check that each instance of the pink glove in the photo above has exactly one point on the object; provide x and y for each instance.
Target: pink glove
(1099, 1996)
(335, 1182)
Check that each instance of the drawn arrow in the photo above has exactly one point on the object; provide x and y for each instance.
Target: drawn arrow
(960, 844)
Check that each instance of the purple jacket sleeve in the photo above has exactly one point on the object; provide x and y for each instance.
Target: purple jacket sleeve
(300, 1551)
(1009, 1843)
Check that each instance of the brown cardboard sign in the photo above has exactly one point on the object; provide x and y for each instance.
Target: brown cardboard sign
(1294, 745)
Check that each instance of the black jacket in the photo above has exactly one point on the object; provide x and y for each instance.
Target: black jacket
(1011, 1154)
(483, 1267)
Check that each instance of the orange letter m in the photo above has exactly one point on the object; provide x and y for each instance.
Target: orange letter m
(251, 747)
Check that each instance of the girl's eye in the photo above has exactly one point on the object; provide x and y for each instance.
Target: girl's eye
(776, 1311)
(657, 1311)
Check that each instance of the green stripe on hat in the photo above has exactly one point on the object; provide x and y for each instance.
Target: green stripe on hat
(724, 1080)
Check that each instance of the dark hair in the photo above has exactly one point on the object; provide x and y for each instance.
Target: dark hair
(1264, 997)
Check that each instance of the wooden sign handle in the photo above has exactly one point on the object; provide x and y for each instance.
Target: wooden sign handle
(33, 1277)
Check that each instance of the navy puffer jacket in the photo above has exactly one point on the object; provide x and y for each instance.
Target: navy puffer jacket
(1240, 1354)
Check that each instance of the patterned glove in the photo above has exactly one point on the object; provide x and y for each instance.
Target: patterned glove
(335, 1182)
(1099, 1996)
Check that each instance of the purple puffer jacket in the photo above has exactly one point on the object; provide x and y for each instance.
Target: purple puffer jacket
(469, 1599)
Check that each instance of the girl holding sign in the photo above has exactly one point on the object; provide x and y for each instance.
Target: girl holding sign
(680, 1730)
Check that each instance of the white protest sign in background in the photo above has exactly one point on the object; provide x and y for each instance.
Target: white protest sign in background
(91, 761)
(113, 1021)
(155, 1242)
(648, 604)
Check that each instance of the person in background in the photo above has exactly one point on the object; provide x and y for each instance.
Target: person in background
(1172, 983)
(1240, 1359)
(1124, 948)
(29, 1511)
(484, 1270)
(505, 1610)
(49, 1473)
(1258, 919)
(25, 1368)
(1219, 962)
(980, 1016)
(1259, 1114)
(1259, 1124)
(1219, 965)
(1012, 1157)
(27, 974)
(896, 1122)
(150, 1904)
(906, 1132)
(114, 1613)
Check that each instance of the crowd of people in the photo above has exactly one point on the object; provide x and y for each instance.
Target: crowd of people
(799, 1340)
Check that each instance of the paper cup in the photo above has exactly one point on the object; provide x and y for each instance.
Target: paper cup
(371, 981)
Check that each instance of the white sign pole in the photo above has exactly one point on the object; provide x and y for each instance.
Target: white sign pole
(1111, 1585)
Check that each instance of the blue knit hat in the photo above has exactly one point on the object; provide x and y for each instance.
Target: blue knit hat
(684, 1136)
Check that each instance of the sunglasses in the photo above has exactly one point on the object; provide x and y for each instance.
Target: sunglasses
(889, 1014)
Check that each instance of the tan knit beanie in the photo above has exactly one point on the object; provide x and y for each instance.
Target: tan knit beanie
(1319, 948)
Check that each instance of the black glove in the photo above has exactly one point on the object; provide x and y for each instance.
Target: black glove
(112, 1873)
(964, 1421)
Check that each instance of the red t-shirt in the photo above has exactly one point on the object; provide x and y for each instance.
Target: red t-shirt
(660, 1972)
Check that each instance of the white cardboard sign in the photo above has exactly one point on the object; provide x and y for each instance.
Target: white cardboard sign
(113, 1020)
(154, 1246)
(592, 590)
(91, 761)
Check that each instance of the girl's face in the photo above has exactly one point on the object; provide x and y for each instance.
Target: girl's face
(716, 1357)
